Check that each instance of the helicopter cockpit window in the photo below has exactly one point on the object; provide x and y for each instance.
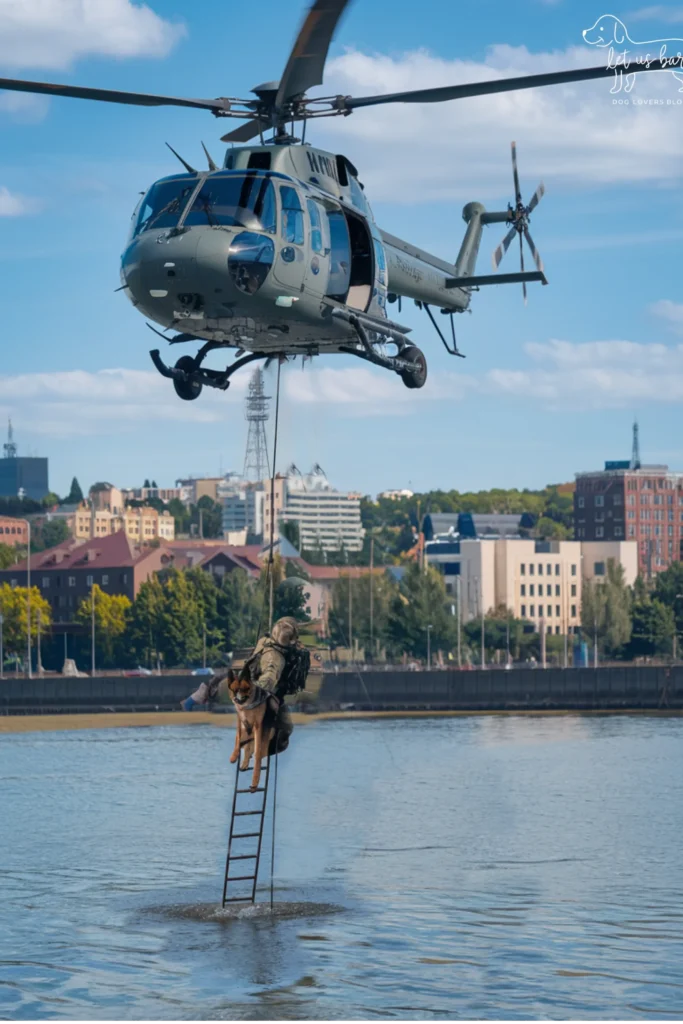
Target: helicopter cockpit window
(357, 195)
(292, 216)
(316, 225)
(234, 200)
(164, 203)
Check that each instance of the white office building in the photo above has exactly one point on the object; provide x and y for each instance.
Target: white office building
(328, 520)
(243, 506)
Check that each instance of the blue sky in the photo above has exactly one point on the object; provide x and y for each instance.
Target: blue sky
(545, 391)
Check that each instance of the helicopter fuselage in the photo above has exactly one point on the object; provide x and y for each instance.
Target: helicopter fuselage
(260, 253)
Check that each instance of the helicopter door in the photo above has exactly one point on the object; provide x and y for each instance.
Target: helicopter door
(290, 264)
(362, 266)
(340, 256)
(318, 272)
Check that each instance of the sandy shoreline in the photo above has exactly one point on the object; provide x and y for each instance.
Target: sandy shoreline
(145, 719)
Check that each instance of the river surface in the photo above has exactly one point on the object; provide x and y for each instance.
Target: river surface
(482, 867)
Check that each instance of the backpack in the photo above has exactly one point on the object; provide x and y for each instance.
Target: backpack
(295, 672)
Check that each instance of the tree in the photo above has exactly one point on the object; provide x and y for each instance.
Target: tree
(206, 594)
(54, 532)
(240, 608)
(146, 484)
(145, 624)
(75, 495)
(549, 529)
(50, 500)
(211, 517)
(14, 611)
(180, 636)
(181, 516)
(606, 610)
(290, 531)
(384, 593)
(111, 620)
(669, 590)
(291, 598)
(8, 556)
(653, 629)
(421, 601)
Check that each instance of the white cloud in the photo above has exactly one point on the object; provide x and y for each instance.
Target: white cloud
(13, 205)
(557, 375)
(670, 311)
(53, 34)
(567, 135)
(76, 403)
(595, 375)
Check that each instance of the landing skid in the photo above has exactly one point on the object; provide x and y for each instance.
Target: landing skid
(409, 362)
(189, 377)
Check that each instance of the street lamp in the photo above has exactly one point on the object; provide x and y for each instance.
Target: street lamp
(429, 647)
(28, 595)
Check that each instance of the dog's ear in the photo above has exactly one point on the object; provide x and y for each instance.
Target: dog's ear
(245, 674)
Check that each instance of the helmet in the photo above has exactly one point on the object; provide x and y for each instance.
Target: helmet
(285, 631)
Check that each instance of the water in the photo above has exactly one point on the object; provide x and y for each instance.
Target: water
(475, 867)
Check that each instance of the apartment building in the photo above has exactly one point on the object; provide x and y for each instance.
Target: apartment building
(13, 531)
(539, 581)
(327, 519)
(141, 525)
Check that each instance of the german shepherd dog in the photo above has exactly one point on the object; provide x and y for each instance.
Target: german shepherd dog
(256, 718)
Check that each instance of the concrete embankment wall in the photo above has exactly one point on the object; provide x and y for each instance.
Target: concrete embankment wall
(569, 689)
(531, 689)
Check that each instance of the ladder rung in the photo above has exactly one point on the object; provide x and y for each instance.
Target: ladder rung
(244, 856)
(261, 789)
(242, 878)
(245, 835)
(239, 899)
(242, 814)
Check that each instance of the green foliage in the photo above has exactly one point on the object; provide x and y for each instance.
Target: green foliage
(395, 521)
(75, 495)
(653, 629)
(50, 500)
(52, 533)
(8, 556)
(420, 601)
(384, 595)
(290, 531)
(101, 485)
(187, 518)
(14, 610)
(144, 639)
(211, 517)
(111, 620)
(180, 621)
(606, 610)
(240, 603)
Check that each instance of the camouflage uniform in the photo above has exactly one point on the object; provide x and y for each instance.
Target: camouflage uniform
(267, 665)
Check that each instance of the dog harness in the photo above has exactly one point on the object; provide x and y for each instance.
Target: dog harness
(261, 696)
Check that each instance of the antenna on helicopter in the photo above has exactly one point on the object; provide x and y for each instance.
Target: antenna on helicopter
(213, 166)
(188, 167)
(518, 217)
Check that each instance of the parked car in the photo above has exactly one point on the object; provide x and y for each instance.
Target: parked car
(208, 671)
(139, 671)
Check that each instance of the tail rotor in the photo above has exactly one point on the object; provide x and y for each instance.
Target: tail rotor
(518, 218)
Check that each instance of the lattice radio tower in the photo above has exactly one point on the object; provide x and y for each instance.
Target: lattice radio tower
(256, 462)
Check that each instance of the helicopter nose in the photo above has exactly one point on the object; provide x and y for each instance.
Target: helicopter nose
(156, 270)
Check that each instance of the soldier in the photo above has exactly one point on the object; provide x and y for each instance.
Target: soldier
(267, 664)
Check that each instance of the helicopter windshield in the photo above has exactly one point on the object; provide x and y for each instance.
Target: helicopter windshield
(164, 203)
(235, 200)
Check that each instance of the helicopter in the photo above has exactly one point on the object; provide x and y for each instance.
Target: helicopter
(276, 253)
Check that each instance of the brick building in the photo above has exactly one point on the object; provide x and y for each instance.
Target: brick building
(13, 531)
(65, 574)
(630, 501)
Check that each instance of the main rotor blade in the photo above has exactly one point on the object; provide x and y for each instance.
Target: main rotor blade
(534, 251)
(536, 197)
(521, 263)
(246, 131)
(515, 174)
(458, 92)
(137, 99)
(306, 63)
(503, 248)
